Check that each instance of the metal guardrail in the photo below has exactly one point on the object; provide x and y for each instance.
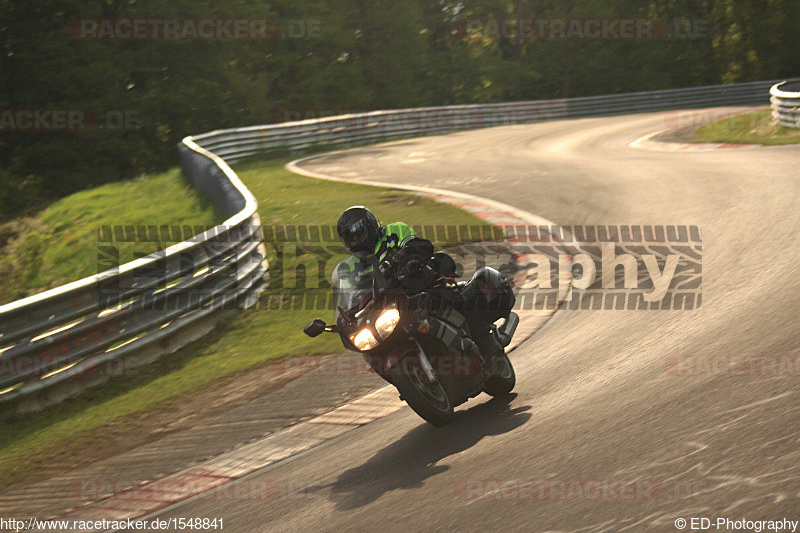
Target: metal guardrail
(785, 99)
(65, 334)
(363, 128)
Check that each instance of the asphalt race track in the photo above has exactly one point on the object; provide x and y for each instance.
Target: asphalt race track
(600, 436)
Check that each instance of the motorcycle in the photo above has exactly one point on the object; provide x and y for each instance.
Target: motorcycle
(416, 327)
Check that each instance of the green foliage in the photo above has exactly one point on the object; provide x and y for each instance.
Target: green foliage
(368, 54)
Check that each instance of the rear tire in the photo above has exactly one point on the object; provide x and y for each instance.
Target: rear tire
(503, 377)
(428, 400)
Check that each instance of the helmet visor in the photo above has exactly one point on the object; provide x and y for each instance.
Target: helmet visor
(356, 238)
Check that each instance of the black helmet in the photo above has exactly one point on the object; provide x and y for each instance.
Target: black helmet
(359, 230)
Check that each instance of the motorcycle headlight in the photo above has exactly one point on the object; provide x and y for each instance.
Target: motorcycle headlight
(386, 322)
(364, 340)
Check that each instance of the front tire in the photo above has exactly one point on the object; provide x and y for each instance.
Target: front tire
(428, 400)
(503, 377)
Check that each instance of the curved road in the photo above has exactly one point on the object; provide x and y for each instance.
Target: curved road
(595, 406)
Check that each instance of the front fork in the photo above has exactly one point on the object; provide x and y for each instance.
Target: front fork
(425, 363)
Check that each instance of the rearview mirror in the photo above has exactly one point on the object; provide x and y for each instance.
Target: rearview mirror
(315, 328)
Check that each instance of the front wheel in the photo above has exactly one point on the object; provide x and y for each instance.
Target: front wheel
(503, 377)
(428, 400)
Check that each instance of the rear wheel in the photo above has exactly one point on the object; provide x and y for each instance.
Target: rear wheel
(503, 377)
(428, 400)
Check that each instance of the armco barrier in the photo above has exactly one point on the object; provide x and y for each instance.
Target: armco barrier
(52, 344)
(58, 342)
(785, 99)
(363, 128)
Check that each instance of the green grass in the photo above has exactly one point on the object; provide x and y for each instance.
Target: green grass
(59, 244)
(748, 128)
(248, 340)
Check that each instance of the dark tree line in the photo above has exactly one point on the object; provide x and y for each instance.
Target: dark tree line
(342, 55)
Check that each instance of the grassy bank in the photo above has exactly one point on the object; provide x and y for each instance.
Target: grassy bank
(248, 340)
(59, 244)
(749, 128)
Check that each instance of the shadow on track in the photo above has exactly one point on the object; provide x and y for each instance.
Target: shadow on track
(408, 462)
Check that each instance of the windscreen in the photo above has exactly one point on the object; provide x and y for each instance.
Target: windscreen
(351, 282)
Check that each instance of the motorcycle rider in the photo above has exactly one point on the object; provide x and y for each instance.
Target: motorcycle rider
(368, 240)
(370, 243)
